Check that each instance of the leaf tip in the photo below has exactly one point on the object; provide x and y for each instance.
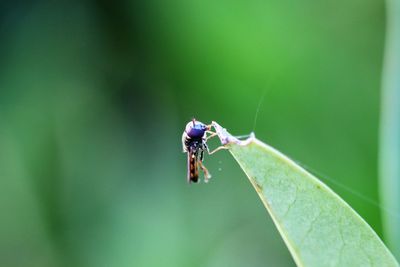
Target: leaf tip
(226, 138)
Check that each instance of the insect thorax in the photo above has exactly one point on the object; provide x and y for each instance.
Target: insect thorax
(194, 144)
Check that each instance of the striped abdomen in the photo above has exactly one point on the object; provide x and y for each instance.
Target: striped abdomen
(193, 170)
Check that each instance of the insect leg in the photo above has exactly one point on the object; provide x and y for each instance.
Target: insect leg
(212, 134)
(216, 150)
(207, 174)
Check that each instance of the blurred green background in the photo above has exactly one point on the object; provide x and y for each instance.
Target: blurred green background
(94, 96)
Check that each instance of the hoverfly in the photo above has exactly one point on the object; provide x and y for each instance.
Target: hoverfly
(194, 140)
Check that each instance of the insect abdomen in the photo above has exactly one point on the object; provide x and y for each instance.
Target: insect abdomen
(193, 170)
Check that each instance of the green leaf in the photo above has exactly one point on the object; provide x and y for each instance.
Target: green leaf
(389, 141)
(318, 227)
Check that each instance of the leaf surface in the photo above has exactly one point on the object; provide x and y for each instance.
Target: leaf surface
(318, 227)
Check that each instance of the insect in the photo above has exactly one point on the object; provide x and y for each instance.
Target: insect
(194, 142)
